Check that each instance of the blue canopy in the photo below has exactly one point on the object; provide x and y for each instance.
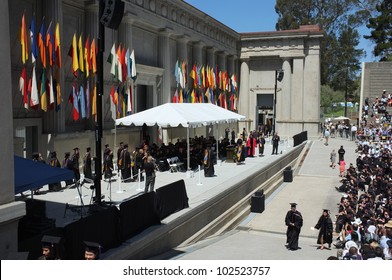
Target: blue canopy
(31, 175)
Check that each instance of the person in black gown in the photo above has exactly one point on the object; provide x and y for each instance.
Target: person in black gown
(294, 222)
(325, 227)
(208, 163)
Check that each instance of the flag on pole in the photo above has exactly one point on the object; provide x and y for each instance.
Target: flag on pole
(34, 97)
(129, 100)
(124, 64)
(88, 104)
(57, 45)
(180, 97)
(87, 59)
(41, 44)
(93, 57)
(52, 96)
(23, 41)
(112, 60)
(50, 45)
(175, 97)
(74, 55)
(57, 93)
(114, 96)
(133, 67)
(94, 102)
(233, 82)
(23, 83)
(128, 63)
(119, 64)
(82, 100)
(73, 99)
(177, 73)
(34, 47)
(44, 98)
(80, 54)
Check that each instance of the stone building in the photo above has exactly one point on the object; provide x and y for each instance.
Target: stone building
(161, 32)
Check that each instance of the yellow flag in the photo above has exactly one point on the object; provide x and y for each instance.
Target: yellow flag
(81, 56)
(23, 41)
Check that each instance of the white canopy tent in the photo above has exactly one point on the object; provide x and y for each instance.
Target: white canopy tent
(187, 115)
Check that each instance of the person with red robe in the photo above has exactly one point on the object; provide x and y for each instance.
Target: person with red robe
(251, 145)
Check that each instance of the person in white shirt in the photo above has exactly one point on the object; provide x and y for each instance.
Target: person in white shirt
(353, 132)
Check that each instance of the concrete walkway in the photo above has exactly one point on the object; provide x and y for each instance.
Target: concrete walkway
(262, 235)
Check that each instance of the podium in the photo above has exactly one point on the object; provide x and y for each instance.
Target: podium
(229, 153)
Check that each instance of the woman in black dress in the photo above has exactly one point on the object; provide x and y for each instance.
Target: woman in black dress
(325, 227)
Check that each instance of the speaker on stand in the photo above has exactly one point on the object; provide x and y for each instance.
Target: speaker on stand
(113, 12)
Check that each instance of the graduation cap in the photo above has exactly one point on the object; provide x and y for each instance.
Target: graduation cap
(293, 204)
(49, 241)
(93, 247)
(76, 149)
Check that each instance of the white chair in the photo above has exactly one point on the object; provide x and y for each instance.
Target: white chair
(173, 166)
(179, 165)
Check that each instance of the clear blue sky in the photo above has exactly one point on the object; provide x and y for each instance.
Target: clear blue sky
(255, 16)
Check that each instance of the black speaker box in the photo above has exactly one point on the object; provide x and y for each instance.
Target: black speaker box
(257, 204)
(287, 175)
(113, 11)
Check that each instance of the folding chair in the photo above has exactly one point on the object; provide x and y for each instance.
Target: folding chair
(173, 166)
(178, 163)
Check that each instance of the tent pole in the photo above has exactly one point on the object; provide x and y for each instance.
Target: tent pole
(188, 152)
(217, 143)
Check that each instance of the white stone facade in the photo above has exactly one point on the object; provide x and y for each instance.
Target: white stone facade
(297, 53)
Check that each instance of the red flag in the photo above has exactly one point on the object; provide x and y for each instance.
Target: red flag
(114, 96)
(23, 83)
(123, 64)
(175, 97)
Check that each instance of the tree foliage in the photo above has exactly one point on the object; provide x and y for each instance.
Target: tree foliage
(381, 33)
(339, 47)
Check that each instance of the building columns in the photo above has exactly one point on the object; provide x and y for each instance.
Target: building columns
(243, 98)
(164, 63)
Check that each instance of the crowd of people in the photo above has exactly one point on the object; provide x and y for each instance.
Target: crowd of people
(364, 220)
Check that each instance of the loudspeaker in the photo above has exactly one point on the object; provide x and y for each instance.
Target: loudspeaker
(280, 75)
(113, 11)
(257, 204)
(288, 175)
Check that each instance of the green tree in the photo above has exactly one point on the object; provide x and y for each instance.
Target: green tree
(381, 33)
(334, 17)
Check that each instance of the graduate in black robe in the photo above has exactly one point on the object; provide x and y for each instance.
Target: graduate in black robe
(208, 163)
(325, 227)
(294, 223)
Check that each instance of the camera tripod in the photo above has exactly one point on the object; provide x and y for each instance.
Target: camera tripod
(76, 208)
